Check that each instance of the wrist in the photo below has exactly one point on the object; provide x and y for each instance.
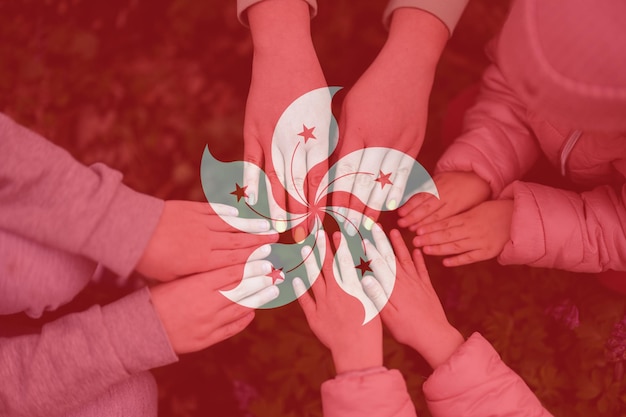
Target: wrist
(417, 34)
(358, 358)
(280, 25)
(440, 347)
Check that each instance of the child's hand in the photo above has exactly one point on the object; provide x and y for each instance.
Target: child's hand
(191, 238)
(473, 236)
(195, 315)
(336, 317)
(413, 314)
(458, 191)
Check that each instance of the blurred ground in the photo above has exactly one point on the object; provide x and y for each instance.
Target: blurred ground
(144, 85)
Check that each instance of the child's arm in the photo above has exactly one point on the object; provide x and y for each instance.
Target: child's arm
(562, 229)
(496, 147)
(362, 385)
(469, 379)
(76, 358)
(49, 197)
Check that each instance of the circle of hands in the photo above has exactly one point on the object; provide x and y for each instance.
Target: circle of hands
(287, 221)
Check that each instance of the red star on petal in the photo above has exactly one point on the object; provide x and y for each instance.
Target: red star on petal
(383, 179)
(364, 266)
(307, 133)
(275, 274)
(240, 192)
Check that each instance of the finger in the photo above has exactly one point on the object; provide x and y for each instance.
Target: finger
(257, 268)
(317, 167)
(383, 246)
(449, 223)
(242, 240)
(230, 224)
(466, 258)
(225, 258)
(452, 248)
(374, 292)
(232, 328)
(402, 252)
(412, 203)
(348, 277)
(396, 193)
(312, 272)
(364, 182)
(276, 195)
(440, 237)
(221, 209)
(249, 286)
(253, 160)
(383, 273)
(306, 301)
(428, 209)
(294, 175)
(342, 179)
(420, 265)
(261, 297)
(384, 181)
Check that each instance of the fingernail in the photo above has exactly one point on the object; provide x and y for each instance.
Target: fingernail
(306, 251)
(251, 199)
(392, 205)
(368, 223)
(417, 242)
(279, 281)
(232, 211)
(281, 225)
(342, 212)
(263, 225)
(367, 281)
(273, 292)
(265, 249)
(350, 229)
(267, 268)
(299, 234)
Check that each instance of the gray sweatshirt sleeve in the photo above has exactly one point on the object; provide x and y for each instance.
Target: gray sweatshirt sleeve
(49, 197)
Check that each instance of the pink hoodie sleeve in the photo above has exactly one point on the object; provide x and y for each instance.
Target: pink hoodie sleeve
(475, 382)
(376, 392)
(80, 356)
(243, 5)
(496, 143)
(49, 197)
(562, 229)
(449, 11)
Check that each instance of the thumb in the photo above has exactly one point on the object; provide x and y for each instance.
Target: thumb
(374, 292)
(253, 161)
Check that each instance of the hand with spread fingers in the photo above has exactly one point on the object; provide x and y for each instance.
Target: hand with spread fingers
(196, 315)
(475, 235)
(412, 311)
(335, 316)
(387, 107)
(285, 66)
(191, 238)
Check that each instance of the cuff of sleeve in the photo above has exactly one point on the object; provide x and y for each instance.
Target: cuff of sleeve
(137, 334)
(243, 5)
(465, 157)
(358, 393)
(527, 243)
(449, 11)
(541, 232)
(124, 231)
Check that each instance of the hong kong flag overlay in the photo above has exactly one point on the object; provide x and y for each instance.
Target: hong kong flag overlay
(307, 201)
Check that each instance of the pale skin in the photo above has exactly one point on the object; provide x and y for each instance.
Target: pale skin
(191, 238)
(194, 313)
(413, 313)
(387, 106)
(336, 317)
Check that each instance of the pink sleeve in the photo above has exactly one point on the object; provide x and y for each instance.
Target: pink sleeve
(242, 6)
(496, 143)
(376, 392)
(448, 11)
(80, 356)
(562, 229)
(475, 382)
(49, 197)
